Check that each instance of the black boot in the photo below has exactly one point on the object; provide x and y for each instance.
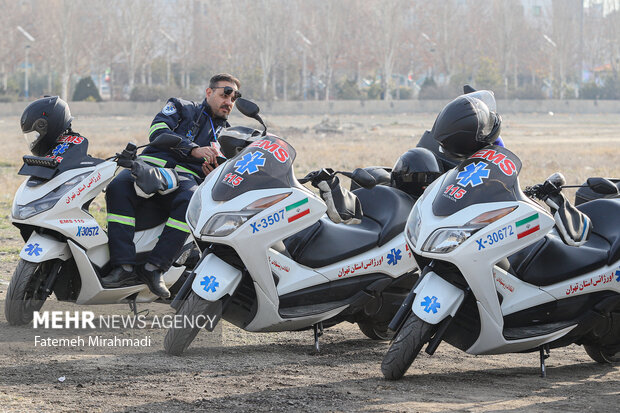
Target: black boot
(118, 277)
(154, 280)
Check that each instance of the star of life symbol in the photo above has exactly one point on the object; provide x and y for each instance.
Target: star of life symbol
(60, 149)
(209, 283)
(473, 174)
(250, 162)
(33, 249)
(618, 275)
(394, 256)
(430, 304)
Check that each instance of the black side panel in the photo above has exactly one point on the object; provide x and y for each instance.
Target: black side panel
(241, 308)
(330, 291)
(388, 206)
(465, 327)
(563, 310)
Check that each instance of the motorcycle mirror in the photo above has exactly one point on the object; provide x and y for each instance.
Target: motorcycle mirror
(165, 141)
(602, 186)
(468, 89)
(250, 109)
(363, 178)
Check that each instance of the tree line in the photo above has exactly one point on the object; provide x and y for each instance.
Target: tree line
(302, 49)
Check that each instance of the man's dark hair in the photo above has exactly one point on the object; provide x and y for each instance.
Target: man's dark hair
(224, 77)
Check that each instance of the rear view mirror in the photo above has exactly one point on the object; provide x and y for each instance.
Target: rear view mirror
(250, 109)
(165, 141)
(602, 186)
(247, 107)
(363, 178)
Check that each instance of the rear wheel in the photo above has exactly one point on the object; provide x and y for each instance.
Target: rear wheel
(24, 295)
(405, 347)
(178, 339)
(375, 331)
(602, 355)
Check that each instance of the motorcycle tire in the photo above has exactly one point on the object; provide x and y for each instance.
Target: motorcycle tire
(177, 340)
(24, 295)
(375, 331)
(601, 355)
(405, 347)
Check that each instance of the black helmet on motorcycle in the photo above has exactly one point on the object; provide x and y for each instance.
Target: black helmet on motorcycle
(43, 121)
(465, 125)
(414, 171)
(232, 140)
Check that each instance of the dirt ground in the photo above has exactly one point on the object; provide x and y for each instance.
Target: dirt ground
(232, 370)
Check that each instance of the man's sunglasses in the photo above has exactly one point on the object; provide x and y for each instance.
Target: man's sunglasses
(228, 91)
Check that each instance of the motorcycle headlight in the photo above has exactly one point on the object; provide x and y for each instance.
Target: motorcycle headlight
(414, 223)
(223, 224)
(47, 201)
(220, 225)
(444, 240)
(194, 208)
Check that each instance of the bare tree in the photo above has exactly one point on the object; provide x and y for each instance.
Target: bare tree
(134, 22)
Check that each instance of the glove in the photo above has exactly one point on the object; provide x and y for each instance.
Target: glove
(149, 179)
(342, 205)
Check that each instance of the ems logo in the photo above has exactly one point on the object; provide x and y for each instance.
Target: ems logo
(473, 174)
(209, 283)
(250, 163)
(169, 109)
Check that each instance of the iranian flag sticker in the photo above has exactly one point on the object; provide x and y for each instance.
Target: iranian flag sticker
(297, 210)
(527, 226)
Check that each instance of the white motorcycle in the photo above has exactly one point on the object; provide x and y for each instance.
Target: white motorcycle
(271, 260)
(66, 250)
(496, 276)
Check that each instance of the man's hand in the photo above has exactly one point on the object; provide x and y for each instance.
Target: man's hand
(207, 153)
(207, 167)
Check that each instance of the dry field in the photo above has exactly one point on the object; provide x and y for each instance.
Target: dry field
(278, 371)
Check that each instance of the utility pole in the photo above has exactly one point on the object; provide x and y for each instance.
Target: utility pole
(170, 41)
(27, 49)
(304, 68)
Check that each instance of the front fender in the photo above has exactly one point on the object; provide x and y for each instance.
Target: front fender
(436, 299)
(40, 248)
(214, 278)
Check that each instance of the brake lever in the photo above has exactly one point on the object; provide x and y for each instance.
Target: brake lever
(317, 176)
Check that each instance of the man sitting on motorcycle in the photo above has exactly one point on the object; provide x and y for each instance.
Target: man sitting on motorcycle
(198, 124)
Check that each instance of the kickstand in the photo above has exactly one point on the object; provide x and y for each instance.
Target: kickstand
(133, 306)
(544, 354)
(318, 332)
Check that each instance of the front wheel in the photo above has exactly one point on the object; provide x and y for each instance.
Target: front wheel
(602, 355)
(178, 339)
(24, 295)
(405, 347)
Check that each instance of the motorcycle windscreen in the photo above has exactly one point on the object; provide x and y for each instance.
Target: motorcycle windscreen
(266, 163)
(70, 152)
(489, 175)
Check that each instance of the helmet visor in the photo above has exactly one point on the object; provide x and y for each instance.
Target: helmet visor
(32, 138)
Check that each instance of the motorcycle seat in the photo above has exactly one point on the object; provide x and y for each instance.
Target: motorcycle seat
(385, 212)
(326, 242)
(390, 207)
(550, 260)
(605, 216)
